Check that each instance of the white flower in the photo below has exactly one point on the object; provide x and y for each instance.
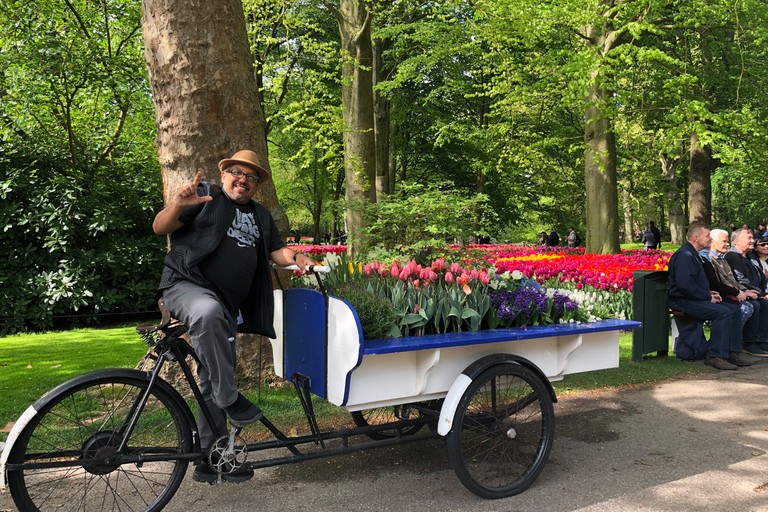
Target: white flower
(517, 275)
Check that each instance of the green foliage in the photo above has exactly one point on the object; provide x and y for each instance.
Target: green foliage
(79, 178)
(419, 218)
(74, 247)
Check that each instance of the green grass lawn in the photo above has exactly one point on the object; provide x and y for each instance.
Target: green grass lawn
(32, 364)
(665, 246)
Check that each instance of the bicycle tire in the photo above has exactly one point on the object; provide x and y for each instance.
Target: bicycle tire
(84, 422)
(504, 426)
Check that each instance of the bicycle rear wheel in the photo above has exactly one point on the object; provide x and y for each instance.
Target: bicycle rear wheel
(49, 469)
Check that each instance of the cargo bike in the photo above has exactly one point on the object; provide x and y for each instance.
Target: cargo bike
(122, 439)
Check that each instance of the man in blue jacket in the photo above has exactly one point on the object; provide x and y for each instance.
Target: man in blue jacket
(689, 293)
(216, 273)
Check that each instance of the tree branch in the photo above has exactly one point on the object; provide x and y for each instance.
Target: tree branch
(79, 19)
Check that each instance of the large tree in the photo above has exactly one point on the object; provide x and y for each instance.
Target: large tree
(354, 18)
(206, 100)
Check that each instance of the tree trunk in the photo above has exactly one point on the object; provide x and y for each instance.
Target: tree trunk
(392, 153)
(699, 182)
(600, 177)
(354, 21)
(626, 201)
(205, 95)
(600, 155)
(676, 215)
(381, 106)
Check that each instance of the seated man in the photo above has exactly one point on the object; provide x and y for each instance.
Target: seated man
(756, 335)
(731, 297)
(689, 293)
(218, 267)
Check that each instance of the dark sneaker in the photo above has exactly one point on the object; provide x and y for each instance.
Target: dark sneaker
(205, 474)
(242, 412)
(740, 359)
(719, 363)
(754, 350)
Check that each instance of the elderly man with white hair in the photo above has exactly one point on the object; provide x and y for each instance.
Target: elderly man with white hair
(756, 329)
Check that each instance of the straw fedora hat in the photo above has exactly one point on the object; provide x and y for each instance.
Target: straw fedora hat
(248, 158)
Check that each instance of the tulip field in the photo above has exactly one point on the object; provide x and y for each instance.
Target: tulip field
(602, 284)
(610, 272)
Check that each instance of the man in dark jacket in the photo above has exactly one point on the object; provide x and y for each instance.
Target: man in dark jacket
(656, 234)
(217, 271)
(742, 241)
(554, 239)
(689, 293)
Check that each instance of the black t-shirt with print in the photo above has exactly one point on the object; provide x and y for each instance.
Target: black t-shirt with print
(231, 266)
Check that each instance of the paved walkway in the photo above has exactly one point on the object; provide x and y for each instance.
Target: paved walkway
(696, 444)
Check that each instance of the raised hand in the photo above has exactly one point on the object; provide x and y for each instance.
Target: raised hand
(167, 221)
(187, 195)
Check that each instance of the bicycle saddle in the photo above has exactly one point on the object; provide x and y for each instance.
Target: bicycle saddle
(149, 328)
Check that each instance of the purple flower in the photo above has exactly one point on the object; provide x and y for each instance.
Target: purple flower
(510, 303)
(563, 303)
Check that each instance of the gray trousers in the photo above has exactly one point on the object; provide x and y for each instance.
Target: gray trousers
(212, 331)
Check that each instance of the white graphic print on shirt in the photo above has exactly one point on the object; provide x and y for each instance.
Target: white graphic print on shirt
(244, 229)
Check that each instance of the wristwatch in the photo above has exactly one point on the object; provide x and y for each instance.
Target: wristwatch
(296, 254)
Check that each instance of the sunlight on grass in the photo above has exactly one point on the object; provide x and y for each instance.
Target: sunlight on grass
(32, 364)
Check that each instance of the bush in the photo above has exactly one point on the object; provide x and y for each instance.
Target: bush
(375, 312)
(73, 247)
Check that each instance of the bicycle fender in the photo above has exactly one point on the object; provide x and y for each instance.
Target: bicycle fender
(451, 402)
(22, 422)
(462, 382)
(41, 402)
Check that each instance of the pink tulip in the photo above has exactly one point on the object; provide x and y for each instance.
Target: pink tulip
(367, 270)
(383, 272)
(416, 308)
(394, 271)
(432, 275)
(466, 289)
(463, 279)
(474, 274)
(448, 277)
(455, 268)
(404, 275)
(484, 278)
(438, 264)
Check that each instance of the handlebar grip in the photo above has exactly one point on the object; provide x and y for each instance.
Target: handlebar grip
(310, 268)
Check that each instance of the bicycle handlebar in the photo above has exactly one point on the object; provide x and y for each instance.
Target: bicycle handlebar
(309, 268)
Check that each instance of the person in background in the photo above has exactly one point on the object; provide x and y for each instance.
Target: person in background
(656, 233)
(554, 239)
(649, 240)
(572, 238)
(758, 257)
(758, 316)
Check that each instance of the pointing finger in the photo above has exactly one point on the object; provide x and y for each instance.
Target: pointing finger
(197, 178)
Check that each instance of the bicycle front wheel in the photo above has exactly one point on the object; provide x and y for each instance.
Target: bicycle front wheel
(51, 465)
(503, 431)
